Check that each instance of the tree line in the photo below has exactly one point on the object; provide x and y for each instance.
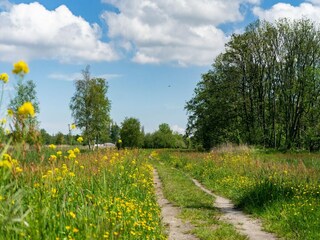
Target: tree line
(90, 108)
(262, 90)
(131, 134)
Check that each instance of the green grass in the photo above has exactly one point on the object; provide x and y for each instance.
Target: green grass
(282, 189)
(101, 195)
(196, 206)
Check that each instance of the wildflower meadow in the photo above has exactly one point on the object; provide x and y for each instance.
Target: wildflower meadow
(59, 193)
(52, 193)
(282, 190)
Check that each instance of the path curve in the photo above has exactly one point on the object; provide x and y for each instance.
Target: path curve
(177, 230)
(242, 222)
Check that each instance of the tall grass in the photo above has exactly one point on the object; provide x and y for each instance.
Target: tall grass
(286, 194)
(104, 195)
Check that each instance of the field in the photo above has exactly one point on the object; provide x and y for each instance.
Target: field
(100, 195)
(282, 189)
(109, 194)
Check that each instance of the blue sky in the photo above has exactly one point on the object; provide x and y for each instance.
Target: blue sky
(152, 53)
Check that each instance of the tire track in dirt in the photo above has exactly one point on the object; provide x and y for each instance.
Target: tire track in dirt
(177, 229)
(242, 222)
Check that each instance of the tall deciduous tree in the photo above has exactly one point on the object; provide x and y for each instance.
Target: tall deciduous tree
(264, 89)
(90, 107)
(131, 133)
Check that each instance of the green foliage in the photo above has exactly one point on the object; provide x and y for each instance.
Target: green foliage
(196, 206)
(59, 137)
(282, 189)
(25, 92)
(105, 195)
(131, 134)
(164, 138)
(12, 211)
(91, 108)
(46, 138)
(262, 90)
(114, 132)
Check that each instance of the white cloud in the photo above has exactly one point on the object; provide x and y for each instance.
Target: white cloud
(316, 2)
(65, 77)
(178, 129)
(184, 31)
(75, 76)
(284, 10)
(30, 31)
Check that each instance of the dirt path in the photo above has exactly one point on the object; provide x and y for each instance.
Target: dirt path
(244, 224)
(177, 230)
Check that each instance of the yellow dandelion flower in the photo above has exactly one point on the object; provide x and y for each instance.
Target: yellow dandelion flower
(52, 158)
(80, 139)
(20, 68)
(53, 191)
(73, 126)
(5, 163)
(7, 131)
(59, 178)
(76, 150)
(68, 227)
(52, 146)
(4, 77)
(19, 170)
(75, 230)
(59, 153)
(119, 141)
(72, 214)
(6, 156)
(71, 155)
(26, 109)
(15, 162)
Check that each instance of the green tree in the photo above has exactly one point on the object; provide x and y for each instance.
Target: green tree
(262, 90)
(114, 133)
(26, 92)
(46, 138)
(90, 107)
(59, 137)
(131, 134)
(148, 140)
(163, 137)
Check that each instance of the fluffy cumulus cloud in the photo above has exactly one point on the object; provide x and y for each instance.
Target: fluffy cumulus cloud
(309, 9)
(184, 31)
(30, 31)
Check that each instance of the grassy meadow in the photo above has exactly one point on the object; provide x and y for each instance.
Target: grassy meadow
(64, 194)
(98, 195)
(282, 189)
(109, 194)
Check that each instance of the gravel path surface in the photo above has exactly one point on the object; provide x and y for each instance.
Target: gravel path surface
(177, 229)
(243, 223)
